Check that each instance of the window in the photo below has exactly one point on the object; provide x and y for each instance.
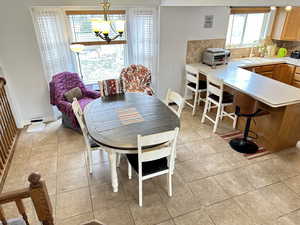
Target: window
(99, 60)
(246, 30)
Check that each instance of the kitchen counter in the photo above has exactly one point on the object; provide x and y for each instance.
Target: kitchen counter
(268, 91)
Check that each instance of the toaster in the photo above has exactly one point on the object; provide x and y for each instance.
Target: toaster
(215, 56)
(295, 55)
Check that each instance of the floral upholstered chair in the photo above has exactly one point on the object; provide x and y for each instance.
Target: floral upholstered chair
(63, 83)
(110, 87)
(136, 78)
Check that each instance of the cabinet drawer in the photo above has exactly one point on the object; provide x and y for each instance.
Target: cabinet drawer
(296, 84)
(297, 76)
(267, 74)
(261, 69)
(297, 69)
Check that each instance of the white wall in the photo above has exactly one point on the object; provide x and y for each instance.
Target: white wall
(177, 26)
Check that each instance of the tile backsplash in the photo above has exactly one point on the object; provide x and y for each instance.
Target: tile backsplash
(196, 48)
(289, 45)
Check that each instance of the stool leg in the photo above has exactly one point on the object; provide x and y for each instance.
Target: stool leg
(207, 102)
(234, 121)
(222, 112)
(217, 118)
(195, 103)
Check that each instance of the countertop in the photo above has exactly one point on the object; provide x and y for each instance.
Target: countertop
(268, 91)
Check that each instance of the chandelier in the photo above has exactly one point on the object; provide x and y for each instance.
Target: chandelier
(104, 28)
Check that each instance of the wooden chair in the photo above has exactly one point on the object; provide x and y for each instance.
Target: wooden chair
(195, 85)
(174, 97)
(90, 145)
(38, 193)
(155, 161)
(220, 99)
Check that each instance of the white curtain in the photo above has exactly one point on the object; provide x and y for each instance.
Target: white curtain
(53, 42)
(142, 38)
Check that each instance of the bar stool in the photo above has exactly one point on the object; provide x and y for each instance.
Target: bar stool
(244, 144)
(195, 85)
(220, 99)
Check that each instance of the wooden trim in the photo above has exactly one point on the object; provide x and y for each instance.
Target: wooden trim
(88, 43)
(248, 10)
(95, 12)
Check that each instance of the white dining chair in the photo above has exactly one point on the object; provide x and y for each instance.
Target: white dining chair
(194, 85)
(174, 97)
(156, 161)
(90, 145)
(217, 98)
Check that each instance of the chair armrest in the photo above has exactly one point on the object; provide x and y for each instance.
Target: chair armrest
(65, 107)
(91, 94)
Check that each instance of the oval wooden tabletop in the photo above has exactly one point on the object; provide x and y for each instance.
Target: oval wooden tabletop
(115, 121)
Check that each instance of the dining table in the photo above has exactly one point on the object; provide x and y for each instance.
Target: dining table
(114, 122)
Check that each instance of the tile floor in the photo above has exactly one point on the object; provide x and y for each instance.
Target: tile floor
(213, 185)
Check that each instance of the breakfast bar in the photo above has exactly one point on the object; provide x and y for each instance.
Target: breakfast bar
(279, 127)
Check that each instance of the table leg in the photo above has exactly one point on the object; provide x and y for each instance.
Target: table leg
(113, 171)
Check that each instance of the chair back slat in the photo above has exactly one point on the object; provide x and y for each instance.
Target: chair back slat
(155, 139)
(193, 78)
(215, 86)
(173, 97)
(156, 154)
(80, 118)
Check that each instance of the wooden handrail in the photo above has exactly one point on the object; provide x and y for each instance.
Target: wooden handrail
(38, 193)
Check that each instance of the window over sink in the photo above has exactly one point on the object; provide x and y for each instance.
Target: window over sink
(247, 29)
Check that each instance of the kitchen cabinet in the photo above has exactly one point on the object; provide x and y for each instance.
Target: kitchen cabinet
(266, 71)
(284, 73)
(287, 25)
(296, 81)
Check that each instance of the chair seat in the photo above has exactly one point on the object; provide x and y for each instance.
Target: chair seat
(148, 167)
(202, 85)
(227, 97)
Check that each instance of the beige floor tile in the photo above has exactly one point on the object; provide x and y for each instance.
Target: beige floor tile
(257, 207)
(208, 191)
(117, 216)
(71, 161)
(100, 156)
(168, 222)
(293, 183)
(72, 179)
(183, 153)
(46, 167)
(290, 219)
(152, 212)
(282, 197)
(191, 170)
(200, 149)
(44, 152)
(73, 203)
(104, 198)
(234, 183)
(71, 147)
(228, 213)
(76, 220)
(101, 174)
(44, 138)
(259, 175)
(198, 217)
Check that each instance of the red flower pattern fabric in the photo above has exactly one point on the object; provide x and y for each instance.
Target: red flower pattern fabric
(136, 78)
(110, 87)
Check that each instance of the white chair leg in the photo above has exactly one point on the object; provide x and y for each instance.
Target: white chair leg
(205, 110)
(222, 112)
(118, 160)
(129, 171)
(195, 103)
(234, 122)
(90, 160)
(170, 184)
(217, 118)
(140, 191)
(209, 106)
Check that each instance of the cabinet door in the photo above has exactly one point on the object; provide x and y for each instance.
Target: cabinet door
(291, 30)
(284, 73)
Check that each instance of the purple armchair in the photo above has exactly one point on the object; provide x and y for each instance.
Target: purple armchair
(60, 84)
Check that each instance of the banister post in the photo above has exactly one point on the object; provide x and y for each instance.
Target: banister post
(40, 198)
